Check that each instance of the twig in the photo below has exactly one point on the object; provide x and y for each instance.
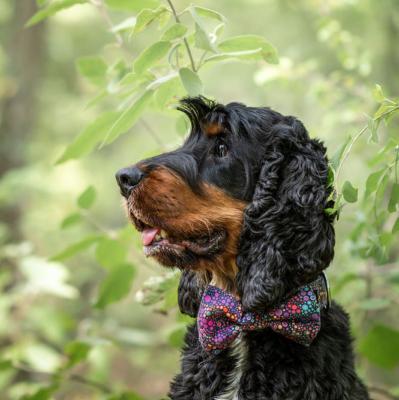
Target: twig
(355, 139)
(177, 19)
(72, 377)
(384, 392)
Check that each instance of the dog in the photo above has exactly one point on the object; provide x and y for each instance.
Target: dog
(240, 209)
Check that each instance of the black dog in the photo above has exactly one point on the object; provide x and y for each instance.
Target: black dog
(241, 205)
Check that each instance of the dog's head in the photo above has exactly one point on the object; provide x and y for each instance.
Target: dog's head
(241, 202)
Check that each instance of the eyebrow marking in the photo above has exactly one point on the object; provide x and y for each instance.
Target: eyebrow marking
(213, 129)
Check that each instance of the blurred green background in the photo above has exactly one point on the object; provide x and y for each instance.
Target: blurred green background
(83, 315)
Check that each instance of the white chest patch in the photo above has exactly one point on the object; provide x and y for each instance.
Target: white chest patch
(239, 351)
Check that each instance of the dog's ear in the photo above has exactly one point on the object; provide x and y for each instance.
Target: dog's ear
(189, 293)
(287, 238)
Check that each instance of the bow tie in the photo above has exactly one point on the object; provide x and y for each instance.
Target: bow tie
(221, 318)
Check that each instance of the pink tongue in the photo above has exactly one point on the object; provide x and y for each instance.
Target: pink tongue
(148, 235)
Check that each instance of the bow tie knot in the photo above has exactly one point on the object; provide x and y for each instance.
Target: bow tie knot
(221, 318)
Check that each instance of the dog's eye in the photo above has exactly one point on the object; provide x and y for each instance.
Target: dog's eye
(221, 150)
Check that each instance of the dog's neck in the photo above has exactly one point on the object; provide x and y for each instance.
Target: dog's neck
(224, 276)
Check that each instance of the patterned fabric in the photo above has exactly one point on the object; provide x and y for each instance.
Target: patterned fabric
(221, 318)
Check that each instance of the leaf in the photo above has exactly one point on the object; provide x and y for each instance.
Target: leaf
(110, 252)
(349, 192)
(174, 32)
(71, 220)
(52, 9)
(87, 140)
(372, 182)
(203, 40)
(373, 128)
(87, 198)
(126, 24)
(378, 94)
(249, 55)
(395, 228)
(167, 91)
(208, 13)
(45, 393)
(176, 337)
(77, 352)
(150, 56)
(381, 346)
(92, 68)
(128, 117)
(375, 304)
(337, 157)
(250, 42)
(129, 5)
(116, 285)
(381, 188)
(126, 396)
(191, 81)
(394, 199)
(76, 247)
(146, 16)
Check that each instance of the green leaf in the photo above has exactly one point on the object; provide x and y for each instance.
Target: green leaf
(381, 346)
(146, 16)
(394, 199)
(110, 252)
(126, 396)
(126, 24)
(395, 228)
(150, 56)
(76, 247)
(176, 337)
(349, 192)
(130, 5)
(77, 352)
(375, 304)
(208, 13)
(70, 220)
(372, 182)
(381, 188)
(128, 117)
(52, 9)
(45, 393)
(249, 55)
(373, 128)
(250, 42)
(93, 68)
(176, 31)
(378, 94)
(167, 91)
(337, 157)
(87, 197)
(203, 40)
(93, 134)
(116, 284)
(154, 289)
(191, 81)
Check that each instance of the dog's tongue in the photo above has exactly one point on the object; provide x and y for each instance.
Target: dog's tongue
(148, 235)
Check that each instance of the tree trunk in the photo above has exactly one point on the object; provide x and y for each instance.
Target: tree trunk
(25, 49)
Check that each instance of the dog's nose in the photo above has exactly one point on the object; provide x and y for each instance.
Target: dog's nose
(128, 178)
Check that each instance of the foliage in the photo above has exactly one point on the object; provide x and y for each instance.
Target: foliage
(152, 55)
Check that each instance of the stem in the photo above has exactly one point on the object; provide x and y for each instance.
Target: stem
(73, 377)
(177, 19)
(99, 4)
(355, 139)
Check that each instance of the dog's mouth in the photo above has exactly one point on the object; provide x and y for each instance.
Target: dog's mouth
(159, 241)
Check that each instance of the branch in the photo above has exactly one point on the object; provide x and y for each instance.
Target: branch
(177, 19)
(355, 139)
(73, 377)
(383, 392)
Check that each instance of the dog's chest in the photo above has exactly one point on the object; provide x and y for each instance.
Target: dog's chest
(239, 352)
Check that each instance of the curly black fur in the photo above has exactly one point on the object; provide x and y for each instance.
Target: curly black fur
(286, 241)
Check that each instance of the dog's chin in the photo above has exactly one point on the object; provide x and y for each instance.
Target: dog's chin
(173, 248)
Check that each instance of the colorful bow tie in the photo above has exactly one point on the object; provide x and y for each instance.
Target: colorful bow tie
(221, 318)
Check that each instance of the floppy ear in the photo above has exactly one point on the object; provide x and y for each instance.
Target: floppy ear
(189, 293)
(287, 238)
